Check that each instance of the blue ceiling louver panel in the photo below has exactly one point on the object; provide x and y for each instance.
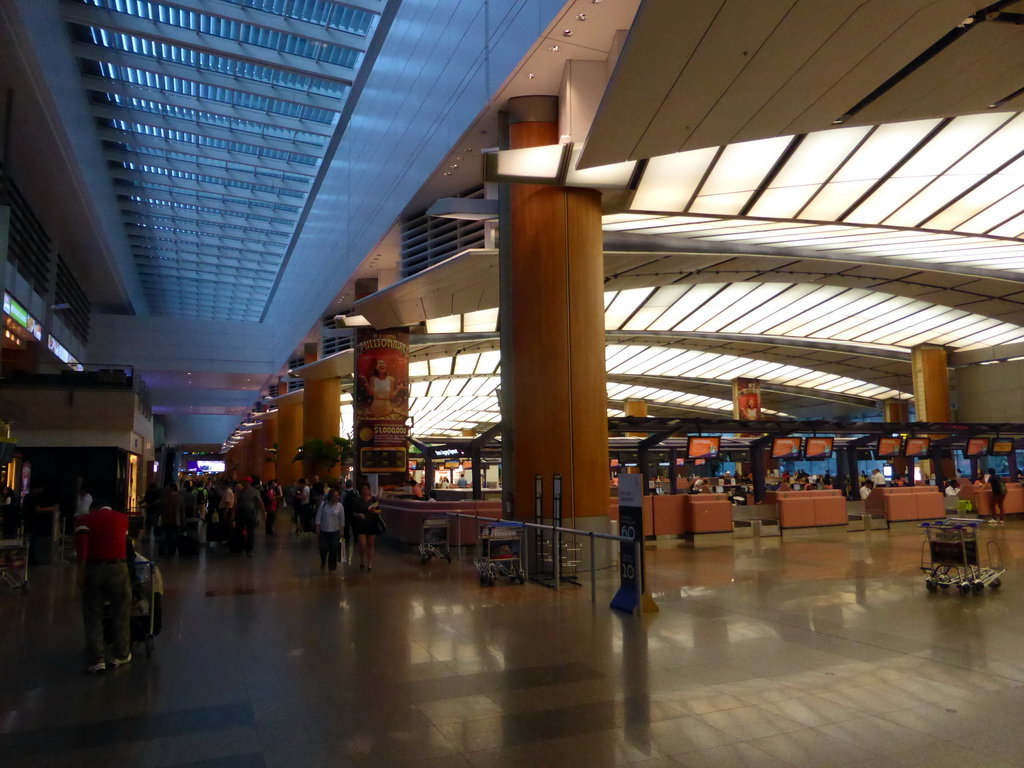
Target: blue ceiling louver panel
(201, 60)
(323, 13)
(228, 29)
(217, 145)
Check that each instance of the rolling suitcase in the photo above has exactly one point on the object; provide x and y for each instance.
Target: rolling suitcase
(236, 540)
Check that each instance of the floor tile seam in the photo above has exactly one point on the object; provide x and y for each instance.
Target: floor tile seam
(804, 627)
(865, 743)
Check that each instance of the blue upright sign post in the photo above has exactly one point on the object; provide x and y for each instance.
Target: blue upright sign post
(632, 595)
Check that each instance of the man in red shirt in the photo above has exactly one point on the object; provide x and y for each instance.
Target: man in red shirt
(101, 543)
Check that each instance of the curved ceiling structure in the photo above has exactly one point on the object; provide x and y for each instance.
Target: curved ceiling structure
(214, 120)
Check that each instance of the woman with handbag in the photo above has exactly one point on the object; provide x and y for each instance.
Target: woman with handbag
(367, 523)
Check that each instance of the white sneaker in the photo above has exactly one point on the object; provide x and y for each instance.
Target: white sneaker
(121, 662)
(992, 521)
(93, 669)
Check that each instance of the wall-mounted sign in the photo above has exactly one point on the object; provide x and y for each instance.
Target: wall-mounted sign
(62, 353)
(21, 316)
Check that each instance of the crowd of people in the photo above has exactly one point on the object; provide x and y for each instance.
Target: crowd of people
(223, 510)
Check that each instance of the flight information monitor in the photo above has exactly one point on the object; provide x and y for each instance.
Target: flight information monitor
(976, 447)
(917, 447)
(819, 447)
(703, 447)
(786, 447)
(889, 447)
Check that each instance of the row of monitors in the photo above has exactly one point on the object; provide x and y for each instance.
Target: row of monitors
(822, 447)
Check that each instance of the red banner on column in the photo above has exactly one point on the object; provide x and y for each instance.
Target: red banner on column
(382, 400)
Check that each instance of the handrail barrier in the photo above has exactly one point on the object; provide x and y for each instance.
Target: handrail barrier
(592, 535)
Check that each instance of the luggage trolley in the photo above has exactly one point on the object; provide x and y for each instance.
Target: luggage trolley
(434, 538)
(951, 557)
(501, 552)
(14, 563)
(145, 613)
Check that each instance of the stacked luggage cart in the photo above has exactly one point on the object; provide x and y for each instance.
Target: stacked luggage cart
(951, 557)
(434, 541)
(501, 552)
(14, 562)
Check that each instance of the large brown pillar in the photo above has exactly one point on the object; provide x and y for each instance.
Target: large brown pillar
(897, 412)
(289, 436)
(321, 414)
(638, 408)
(930, 370)
(253, 450)
(268, 467)
(553, 358)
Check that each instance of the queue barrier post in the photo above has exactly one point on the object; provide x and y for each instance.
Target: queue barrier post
(593, 571)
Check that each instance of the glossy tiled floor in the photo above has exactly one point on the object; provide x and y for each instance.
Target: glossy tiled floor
(820, 649)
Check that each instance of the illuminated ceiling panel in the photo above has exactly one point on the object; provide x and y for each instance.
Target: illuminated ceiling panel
(448, 406)
(933, 190)
(214, 117)
(855, 316)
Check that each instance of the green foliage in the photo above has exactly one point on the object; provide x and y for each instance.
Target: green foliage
(323, 454)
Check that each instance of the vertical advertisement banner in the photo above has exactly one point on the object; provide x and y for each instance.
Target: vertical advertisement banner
(382, 402)
(746, 399)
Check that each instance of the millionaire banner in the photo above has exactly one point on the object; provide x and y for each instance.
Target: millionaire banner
(382, 400)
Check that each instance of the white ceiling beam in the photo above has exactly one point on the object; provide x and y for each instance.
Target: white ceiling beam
(216, 205)
(145, 231)
(133, 90)
(93, 16)
(114, 57)
(156, 212)
(120, 156)
(257, 18)
(202, 186)
(169, 145)
(180, 221)
(204, 129)
(267, 264)
(221, 246)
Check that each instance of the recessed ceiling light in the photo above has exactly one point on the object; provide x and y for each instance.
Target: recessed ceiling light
(566, 33)
(531, 76)
(581, 17)
(555, 48)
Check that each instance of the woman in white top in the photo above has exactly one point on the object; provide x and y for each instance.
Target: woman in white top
(330, 519)
(382, 388)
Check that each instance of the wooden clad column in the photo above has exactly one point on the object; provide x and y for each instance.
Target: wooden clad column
(897, 412)
(321, 409)
(930, 370)
(635, 407)
(268, 469)
(553, 358)
(289, 436)
(254, 448)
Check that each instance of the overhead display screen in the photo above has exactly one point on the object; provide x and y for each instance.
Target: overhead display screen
(787, 447)
(917, 447)
(1002, 446)
(889, 447)
(976, 446)
(703, 447)
(819, 447)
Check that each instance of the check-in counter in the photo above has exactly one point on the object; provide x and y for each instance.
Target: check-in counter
(1013, 504)
(669, 515)
(707, 513)
(914, 502)
(808, 509)
(404, 518)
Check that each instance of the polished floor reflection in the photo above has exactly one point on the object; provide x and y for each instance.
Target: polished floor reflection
(822, 648)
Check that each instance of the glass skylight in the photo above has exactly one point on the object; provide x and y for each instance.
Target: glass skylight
(851, 315)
